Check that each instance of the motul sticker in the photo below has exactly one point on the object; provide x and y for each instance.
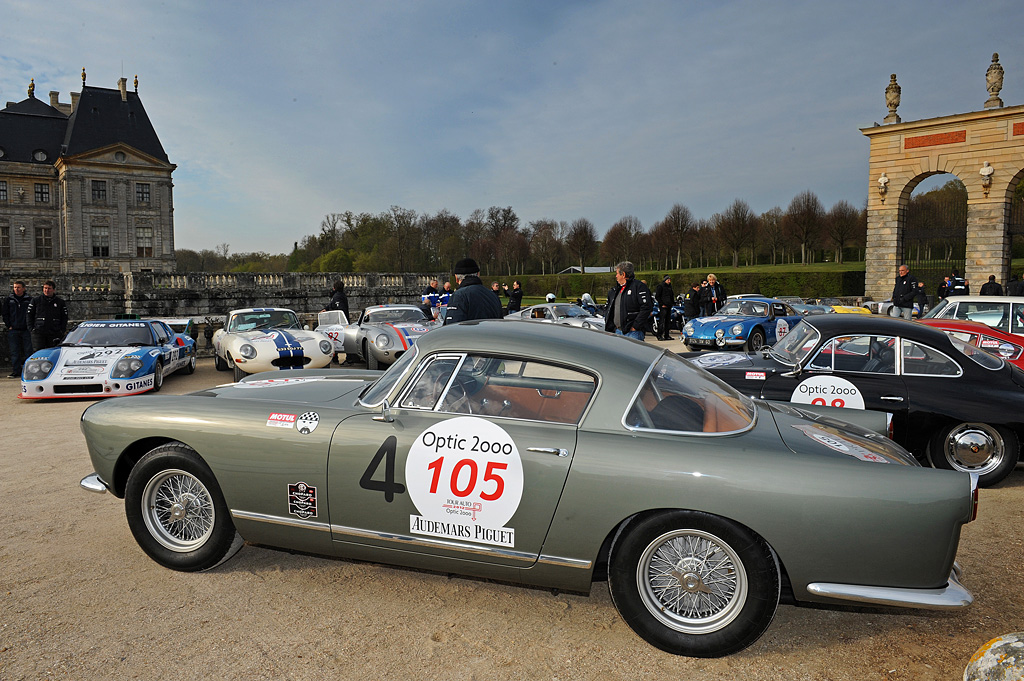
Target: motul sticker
(281, 420)
(755, 375)
(301, 499)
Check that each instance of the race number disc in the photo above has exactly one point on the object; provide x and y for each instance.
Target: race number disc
(831, 391)
(465, 477)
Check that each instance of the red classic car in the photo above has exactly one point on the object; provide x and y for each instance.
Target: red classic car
(1008, 346)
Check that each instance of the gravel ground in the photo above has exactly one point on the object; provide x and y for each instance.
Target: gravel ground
(80, 600)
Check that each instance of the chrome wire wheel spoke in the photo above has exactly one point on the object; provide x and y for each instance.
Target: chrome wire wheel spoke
(692, 581)
(178, 510)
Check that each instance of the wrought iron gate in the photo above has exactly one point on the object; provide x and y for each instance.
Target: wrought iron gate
(935, 237)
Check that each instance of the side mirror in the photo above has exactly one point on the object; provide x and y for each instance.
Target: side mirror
(385, 413)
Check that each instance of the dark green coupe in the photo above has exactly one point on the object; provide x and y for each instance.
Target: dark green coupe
(548, 456)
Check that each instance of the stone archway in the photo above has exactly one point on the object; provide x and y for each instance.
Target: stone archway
(985, 149)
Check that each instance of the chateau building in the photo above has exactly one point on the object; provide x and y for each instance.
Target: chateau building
(85, 187)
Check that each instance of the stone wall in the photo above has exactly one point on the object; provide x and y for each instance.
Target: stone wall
(207, 297)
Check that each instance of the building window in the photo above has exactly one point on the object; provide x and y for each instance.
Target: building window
(44, 242)
(3, 190)
(5, 242)
(144, 242)
(42, 193)
(141, 192)
(101, 242)
(99, 190)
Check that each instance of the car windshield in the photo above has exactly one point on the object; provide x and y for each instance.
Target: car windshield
(744, 308)
(679, 396)
(570, 311)
(383, 386)
(402, 314)
(794, 347)
(263, 319)
(108, 334)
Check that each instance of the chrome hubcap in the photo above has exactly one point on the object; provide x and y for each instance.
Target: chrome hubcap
(974, 447)
(692, 581)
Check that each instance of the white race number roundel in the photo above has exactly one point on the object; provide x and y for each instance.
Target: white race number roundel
(465, 470)
(831, 391)
(781, 328)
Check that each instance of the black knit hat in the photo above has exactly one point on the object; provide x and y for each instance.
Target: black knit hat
(466, 266)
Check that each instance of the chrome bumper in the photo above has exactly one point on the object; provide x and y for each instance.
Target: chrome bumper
(953, 596)
(93, 483)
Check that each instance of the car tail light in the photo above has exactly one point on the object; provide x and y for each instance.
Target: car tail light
(974, 497)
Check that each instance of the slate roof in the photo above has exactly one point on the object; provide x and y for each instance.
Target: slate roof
(100, 119)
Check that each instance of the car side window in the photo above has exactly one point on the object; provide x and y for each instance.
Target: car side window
(1017, 318)
(163, 334)
(536, 391)
(823, 360)
(428, 387)
(922, 360)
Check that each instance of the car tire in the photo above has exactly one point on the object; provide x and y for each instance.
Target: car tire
(219, 364)
(692, 583)
(756, 340)
(989, 451)
(176, 511)
(190, 366)
(239, 374)
(691, 348)
(158, 376)
(371, 359)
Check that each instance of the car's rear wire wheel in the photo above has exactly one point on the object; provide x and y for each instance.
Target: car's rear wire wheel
(989, 451)
(694, 584)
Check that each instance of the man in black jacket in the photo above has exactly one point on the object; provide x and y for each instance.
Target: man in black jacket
(47, 317)
(472, 300)
(664, 296)
(992, 287)
(15, 313)
(630, 304)
(515, 297)
(691, 302)
(904, 293)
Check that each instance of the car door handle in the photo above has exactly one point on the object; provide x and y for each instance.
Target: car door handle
(892, 398)
(549, 450)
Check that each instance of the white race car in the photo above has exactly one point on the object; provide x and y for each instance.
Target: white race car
(268, 338)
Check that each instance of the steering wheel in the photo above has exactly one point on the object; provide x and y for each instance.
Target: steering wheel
(457, 398)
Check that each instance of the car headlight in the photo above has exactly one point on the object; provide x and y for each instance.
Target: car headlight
(37, 369)
(382, 341)
(736, 330)
(719, 334)
(327, 347)
(247, 351)
(125, 367)
(688, 329)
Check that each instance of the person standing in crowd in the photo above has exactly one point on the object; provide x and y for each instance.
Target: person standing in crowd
(446, 294)
(992, 287)
(691, 302)
(47, 317)
(471, 300)
(1015, 287)
(339, 301)
(944, 288)
(497, 292)
(712, 296)
(19, 338)
(664, 296)
(958, 286)
(630, 304)
(430, 299)
(515, 297)
(587, 303)
(904, 293)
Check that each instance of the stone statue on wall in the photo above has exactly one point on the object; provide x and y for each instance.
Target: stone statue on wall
(994, 83)
(892, 99)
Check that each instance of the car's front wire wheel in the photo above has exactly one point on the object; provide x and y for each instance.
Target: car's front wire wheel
(693, 584)
(176, 512)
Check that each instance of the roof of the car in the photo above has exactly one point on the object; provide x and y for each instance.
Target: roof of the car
(985, 299)
(397, 306)
(964, 324)
(551, 342)
(261, 309)
(831, 325)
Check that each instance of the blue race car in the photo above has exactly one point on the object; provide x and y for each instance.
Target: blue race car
(748, 322)
(108, 357)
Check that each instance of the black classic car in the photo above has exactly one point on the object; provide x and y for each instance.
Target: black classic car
(951, 404)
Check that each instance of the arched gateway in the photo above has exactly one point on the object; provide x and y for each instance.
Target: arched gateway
(985, 149)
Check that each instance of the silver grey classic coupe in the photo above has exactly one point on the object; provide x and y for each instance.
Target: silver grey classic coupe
(551, 456)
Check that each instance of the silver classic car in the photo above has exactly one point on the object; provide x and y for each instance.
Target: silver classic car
(545, 456)
(568, 314)
(382, 333)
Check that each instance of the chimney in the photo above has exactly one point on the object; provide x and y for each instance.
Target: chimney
(74, 100)
(54, 99)
(122, 85)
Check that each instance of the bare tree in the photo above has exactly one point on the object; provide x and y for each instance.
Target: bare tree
(679, 222)
(222, 249)
(772, 234)
(544, 243)
(503, 230)
(842, 225)
(735, 228)
(581, 240)
(621, 240)
(804, 222)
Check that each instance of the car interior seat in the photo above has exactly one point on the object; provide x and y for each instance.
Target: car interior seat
(676, 412)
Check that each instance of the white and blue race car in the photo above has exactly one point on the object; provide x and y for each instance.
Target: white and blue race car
(256, 339)
(103, 358)
(749, 323)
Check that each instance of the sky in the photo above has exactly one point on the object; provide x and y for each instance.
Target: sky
(277, 114)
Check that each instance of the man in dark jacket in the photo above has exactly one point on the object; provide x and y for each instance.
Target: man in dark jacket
(515, 297)
(664, 296)
(904, 293)
(958, 286)
(339, 301)
(19, 339)
(630, 304)
(691, 302)
(472, 300)
(47, 317)
(992, 287)
(1015, 287)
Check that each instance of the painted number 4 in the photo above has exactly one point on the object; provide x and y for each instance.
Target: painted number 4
(388, 485)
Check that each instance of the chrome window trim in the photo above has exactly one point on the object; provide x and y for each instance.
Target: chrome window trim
(398, 382)
(955, 363)
(423, 366)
